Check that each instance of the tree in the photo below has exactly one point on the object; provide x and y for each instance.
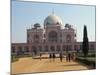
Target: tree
(85, 45)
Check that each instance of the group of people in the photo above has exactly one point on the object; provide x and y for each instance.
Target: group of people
(53, 56)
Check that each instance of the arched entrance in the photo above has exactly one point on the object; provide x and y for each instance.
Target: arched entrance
(20, 51)
(36, 38)
(58, 49)
(46, 48)
(52, 36)
(52, 49)
(34, 50)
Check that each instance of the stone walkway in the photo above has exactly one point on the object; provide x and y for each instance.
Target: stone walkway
(29, 65)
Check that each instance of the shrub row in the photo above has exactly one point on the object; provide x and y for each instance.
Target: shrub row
(90, 63)
(14, 58)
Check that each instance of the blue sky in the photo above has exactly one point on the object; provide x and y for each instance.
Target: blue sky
(25, 14)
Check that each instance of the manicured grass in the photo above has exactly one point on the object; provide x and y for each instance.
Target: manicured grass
(90, 60)
(14, 58)
(22, 56)
(89, 55)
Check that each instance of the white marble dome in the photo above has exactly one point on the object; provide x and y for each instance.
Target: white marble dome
(52, 20)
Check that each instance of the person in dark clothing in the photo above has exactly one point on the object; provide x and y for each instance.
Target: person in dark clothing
(54, 56)
(69, 57)
(61, 57)
(50, 56)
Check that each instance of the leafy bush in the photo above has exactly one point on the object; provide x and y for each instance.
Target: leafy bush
(91, 62)
(92, 55)
(89, 55)
(14, 58)
(26, 55)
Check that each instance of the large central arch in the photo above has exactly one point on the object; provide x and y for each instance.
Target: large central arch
(52, 36)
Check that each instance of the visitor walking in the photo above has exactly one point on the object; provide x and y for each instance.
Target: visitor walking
(54, 56)
(50, 56)
(61, 57)
(69, 56)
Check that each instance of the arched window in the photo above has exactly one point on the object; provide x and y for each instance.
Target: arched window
(36, 38)
(47, 23)
(40, 48)
(28, 35)
(13, 49)
(68, 38)
(52, 48)
(46, 48)
(52, 37)
(44, 35)
(57, 23)
(20, 50)
(58, 48)
(69, 47)
(75, 47)
(64, 48)
(26, 49)
(34, 50)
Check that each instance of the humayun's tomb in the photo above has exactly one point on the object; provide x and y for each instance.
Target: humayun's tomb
(52, 38)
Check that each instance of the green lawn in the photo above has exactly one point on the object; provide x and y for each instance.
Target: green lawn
(14, 58)
(90, 60)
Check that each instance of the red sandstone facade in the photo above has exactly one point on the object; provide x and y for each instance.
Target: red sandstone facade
(53, 38)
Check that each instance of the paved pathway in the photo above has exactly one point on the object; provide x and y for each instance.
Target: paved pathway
(28, 65)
